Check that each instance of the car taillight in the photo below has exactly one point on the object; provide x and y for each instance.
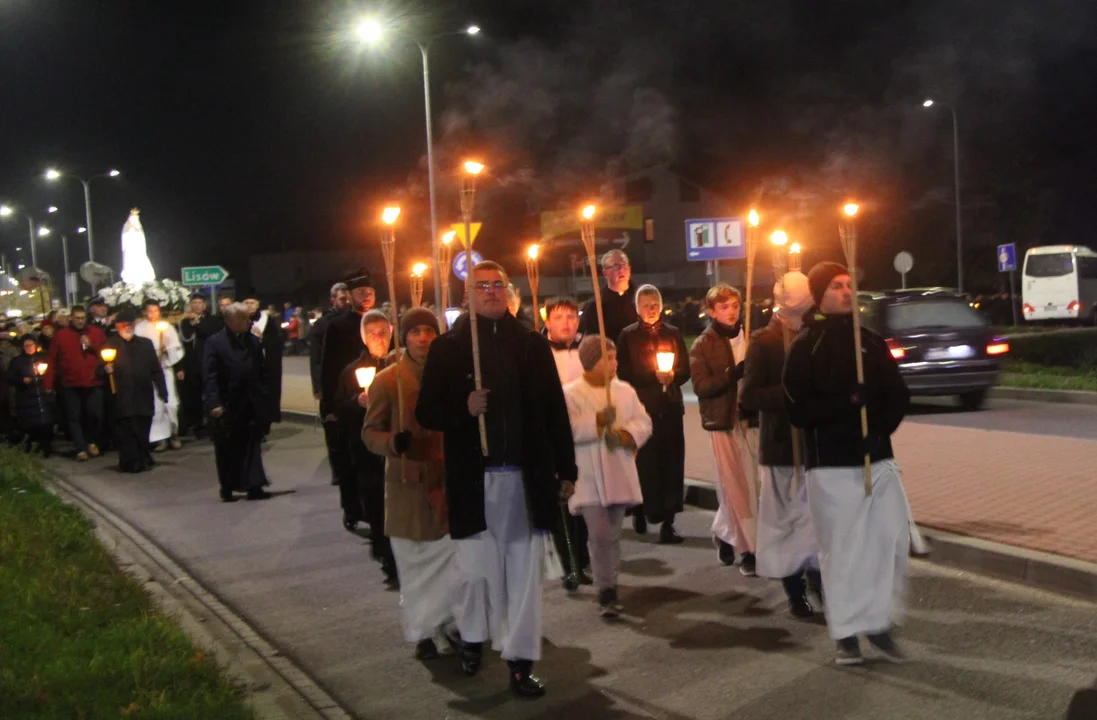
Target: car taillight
(897, 350)
(1028, 309)
(1074, 306)
(997, 348)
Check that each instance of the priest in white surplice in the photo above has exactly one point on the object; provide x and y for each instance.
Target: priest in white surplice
(864, 538)
(165, 420)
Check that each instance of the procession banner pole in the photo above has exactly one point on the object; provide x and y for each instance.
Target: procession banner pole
(586, 228)
(388, 246)
(780, 268)
(848, 232)
(533, 274)
(468, 196)
(754, 481)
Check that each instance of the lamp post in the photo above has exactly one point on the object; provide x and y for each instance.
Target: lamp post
(9, 211)
(371, 31)
(54, 174)
(533, 274)
(956, 172)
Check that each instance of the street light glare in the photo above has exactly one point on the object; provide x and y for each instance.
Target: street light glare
(81, 229)
(369, 30)
(753, 218)
(473, 29)
(533, 251)
(114, 173)
(851, 209)
(43, 231)
(390, 214)
(588, 212)
(473, 168)
(5, 210)
(51, 209)
(52, 174)
(448, 237)
(779, 237)
(418, 269)
(928, 103)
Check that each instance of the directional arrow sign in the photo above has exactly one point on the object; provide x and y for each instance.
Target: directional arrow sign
(459, 228)
(204, 275)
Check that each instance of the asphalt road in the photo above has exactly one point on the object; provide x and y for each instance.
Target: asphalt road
(698, 640)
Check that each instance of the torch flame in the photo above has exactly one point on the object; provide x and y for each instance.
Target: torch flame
(779, 237)
(664, 361)
(390, 214)
(533, 251)
(851, 209)
(794, 249)
(108, 354)
(588, 212)
(473, 168)
(448, 237)
(753, 218)
(365, 376)
(418, 269)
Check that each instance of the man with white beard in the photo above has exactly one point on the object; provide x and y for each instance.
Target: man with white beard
(165, 418)
(864, 536)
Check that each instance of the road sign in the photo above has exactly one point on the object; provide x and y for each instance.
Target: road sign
(904, 261)
(459, 228)
(459, 266)
(1007, 257)
(715, 239)
(204, 275)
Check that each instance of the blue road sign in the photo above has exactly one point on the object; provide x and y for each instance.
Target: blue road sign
(459, 267)
(715, 239)
(1007, 257)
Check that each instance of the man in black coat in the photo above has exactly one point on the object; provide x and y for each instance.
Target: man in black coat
(340, 301)
(235, 396)
(197, 327)
(268, 328)
(864, 532)
(502, 503)
(618, 301)
(137, 375)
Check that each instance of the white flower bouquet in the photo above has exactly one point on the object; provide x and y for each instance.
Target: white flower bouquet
(171, 294)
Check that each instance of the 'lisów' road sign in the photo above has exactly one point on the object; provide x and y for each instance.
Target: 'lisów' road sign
(204, 275)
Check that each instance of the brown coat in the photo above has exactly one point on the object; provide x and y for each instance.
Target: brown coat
(415, 495)
(712, 368)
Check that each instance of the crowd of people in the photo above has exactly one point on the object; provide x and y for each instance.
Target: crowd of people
(490, 457)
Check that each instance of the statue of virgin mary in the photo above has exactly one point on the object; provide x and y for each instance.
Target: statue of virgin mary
(136, 268)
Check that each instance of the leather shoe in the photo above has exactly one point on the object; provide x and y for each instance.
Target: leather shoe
(259, 495)
(472, 656)
(426, 650)
(523, 682)
(349, 523)
(799, 607)
(639, 524)
(669, 536)
(228, 497)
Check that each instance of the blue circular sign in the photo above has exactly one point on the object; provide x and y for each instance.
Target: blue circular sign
(460, 268)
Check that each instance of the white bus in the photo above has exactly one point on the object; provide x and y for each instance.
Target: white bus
(1060, 283)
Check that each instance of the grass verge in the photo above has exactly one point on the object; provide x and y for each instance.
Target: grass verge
(1045, 377)
(79, 638)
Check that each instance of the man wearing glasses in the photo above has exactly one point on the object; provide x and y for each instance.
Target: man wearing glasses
(618, 304)
(502, 505)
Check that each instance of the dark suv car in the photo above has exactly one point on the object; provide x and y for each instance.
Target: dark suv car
(942, 345)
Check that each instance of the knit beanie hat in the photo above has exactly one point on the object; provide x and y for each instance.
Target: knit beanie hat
(820, 276)
(792, 294)
(413, 318)
(590, 351)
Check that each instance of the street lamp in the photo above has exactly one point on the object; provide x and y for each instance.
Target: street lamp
(8, 211)
(53, 174)
(371, 31)
(956, 172)
(444, 255)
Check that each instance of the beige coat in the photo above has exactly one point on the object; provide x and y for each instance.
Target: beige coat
(415, 495)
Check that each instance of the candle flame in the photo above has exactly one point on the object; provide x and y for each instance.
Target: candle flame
(753, 218)
(108, 354)
(390, 214)
(447, 238)
(161, 326)
(418, 269)
(588, 212)
(664, 361)
(473, 168)
(779, 237)
(851, 209)
(41, 368)
(365, 376)
(533, 251)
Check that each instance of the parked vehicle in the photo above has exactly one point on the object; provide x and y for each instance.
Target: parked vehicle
(1059, 282)
(943, 346)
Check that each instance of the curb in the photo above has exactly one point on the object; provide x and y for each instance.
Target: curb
(1071, 397)
(1033, 568)
(276, 688)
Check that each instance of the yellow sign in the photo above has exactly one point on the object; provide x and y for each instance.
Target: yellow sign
(562, 222)
(459, 229)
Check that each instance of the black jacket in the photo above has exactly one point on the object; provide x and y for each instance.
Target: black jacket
(619, 311)
(636, 365)
(763, 392)
(234, 378)
(342, 344)
(137, 375)
(35, 406)
(194, 334)
(316, 345)
(527, 419)
(351, 415)
(820, 380)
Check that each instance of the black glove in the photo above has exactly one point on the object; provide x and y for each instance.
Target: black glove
(739, 371)
(401, 441)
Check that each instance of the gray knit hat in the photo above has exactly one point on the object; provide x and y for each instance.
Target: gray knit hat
(413, 318)
(590, 351)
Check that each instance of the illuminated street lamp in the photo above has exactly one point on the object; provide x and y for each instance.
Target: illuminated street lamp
(9, 211)
(956, 174)
(54, 174)
(371, 31)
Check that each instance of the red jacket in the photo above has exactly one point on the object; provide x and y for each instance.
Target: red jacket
(77, 364)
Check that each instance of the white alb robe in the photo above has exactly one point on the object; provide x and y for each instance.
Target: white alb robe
(864, 546)
(165, 419)
(427, 579)
(786, 537)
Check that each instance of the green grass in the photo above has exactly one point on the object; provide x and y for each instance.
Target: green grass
(78, 637)
(1044, 377)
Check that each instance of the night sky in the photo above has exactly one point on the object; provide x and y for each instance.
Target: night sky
(246, 127)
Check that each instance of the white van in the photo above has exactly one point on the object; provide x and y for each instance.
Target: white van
(1059, 282)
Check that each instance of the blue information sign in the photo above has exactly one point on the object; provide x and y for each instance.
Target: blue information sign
(715, 239)
(1007, 257)
(460, 268)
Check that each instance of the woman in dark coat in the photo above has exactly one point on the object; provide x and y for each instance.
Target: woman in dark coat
(662, 461)
(35, 406)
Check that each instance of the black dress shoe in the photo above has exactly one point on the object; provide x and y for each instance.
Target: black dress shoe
(349, 523)
(259, 495)
(799, 607)
(725, 552)
(571, 583)
(426, 650)
(523, 682)
(639, 524)
(472, 656)
(227, 497)
(388, 568)
(585, 578)
(669, 536)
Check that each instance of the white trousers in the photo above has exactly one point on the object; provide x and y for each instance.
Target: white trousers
(426, 572)
(786, 537)
(499, 571)
(734, 453)
(165, 415)
(864, 544)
